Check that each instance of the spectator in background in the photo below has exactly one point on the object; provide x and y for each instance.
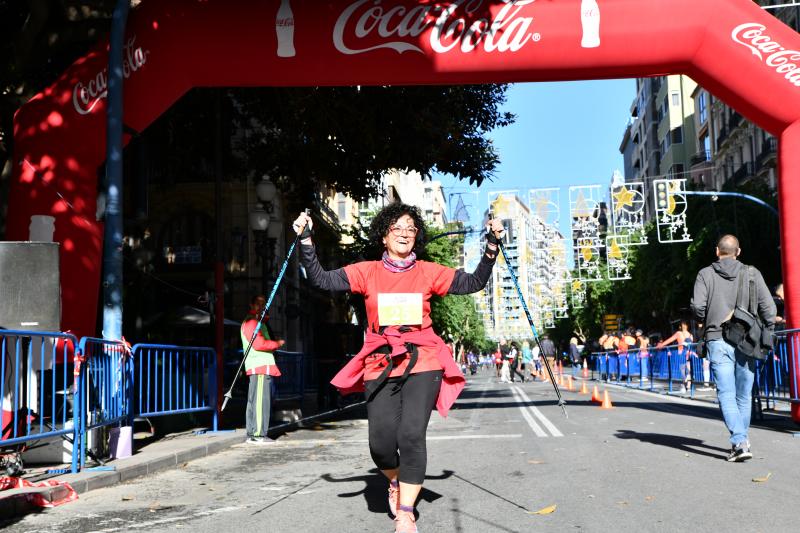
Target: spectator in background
(548, 350)
(515, 363)
(261, 368)
(683, 338)
(643, 343)
(527, 360)
(780, 318)
(574, 355)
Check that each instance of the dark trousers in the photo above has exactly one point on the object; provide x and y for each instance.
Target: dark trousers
(398, 414)
(258, 405)
(512, 366)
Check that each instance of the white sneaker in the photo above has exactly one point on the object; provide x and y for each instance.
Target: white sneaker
(260, 441)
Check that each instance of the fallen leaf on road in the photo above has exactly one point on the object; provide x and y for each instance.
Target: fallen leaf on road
(762, 479)
(546, 510)
(623, 502)
(184, 465)
(127, 498)
(649, 498)
(591, 495)
(535, 462)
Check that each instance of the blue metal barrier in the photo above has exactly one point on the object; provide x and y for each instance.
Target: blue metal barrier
(291, 383)
(105, 385)
(170, 380)
(36, 376)
(773, 380)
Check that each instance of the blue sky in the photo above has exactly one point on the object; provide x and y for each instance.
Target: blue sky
(566, 134)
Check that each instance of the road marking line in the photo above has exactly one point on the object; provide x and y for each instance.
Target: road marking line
(534, 426)
(549, 425)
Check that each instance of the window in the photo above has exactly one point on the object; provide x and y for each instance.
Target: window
(677, 135)
(702, 107)
(676, 98)
(676, 171)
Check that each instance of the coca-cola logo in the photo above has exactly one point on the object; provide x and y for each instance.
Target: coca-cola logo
(765, 48)
(368, 25)
(86, 95)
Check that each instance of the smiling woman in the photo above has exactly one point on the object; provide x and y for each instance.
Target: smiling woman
(405, 368)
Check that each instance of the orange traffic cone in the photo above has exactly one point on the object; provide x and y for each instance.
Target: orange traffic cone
(585, 369)
(606, 401)
(584, 390)
(595, 395)
(569, 383)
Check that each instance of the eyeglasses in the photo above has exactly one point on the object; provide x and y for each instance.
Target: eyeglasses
(397, 230)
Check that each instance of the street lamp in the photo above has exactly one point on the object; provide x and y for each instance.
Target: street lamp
(266, 229)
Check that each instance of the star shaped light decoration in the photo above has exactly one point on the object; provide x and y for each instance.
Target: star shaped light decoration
(623, 198)
(501, 207)
(541, 207)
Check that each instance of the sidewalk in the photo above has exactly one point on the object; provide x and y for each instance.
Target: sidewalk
(167, 452)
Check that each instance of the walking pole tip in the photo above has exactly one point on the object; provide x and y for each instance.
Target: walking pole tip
(225, 401)
(563, 404)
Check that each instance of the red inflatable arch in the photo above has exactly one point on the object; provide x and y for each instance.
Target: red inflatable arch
(733, 48)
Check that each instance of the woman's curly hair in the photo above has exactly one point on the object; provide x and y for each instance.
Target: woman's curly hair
(385, 219)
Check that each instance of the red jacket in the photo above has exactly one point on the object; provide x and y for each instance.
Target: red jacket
(350, 379)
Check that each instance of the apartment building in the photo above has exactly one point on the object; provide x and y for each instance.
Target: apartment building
(536, 253)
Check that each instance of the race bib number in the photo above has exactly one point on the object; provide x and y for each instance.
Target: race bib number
(399, 309)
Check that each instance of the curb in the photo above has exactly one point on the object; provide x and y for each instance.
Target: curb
(171, 455)
(130, 469)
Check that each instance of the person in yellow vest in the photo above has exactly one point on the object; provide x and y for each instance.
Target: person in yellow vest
(261, 368)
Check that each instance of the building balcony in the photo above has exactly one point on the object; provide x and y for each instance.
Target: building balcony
(744, 173)
(734, 120)
(723, 136)
(769, 151)
(702, 157)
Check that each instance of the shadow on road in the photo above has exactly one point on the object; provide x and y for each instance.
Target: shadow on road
(679, 442)
(376, 485)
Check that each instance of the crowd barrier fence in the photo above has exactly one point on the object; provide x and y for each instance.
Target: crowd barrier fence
(38, 397)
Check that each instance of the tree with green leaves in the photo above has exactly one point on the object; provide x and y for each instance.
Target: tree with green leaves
(454, 316)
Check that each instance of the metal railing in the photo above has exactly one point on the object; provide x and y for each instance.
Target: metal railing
(104, 381)
(774, 380)
(170, 380)
(645, 368)
(36, 375)
(295, 374)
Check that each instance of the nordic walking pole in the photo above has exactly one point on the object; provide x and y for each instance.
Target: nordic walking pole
(561, 402)
(229, 394)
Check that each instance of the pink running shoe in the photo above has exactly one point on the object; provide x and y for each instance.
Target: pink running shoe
(405, 522)
(394, 497)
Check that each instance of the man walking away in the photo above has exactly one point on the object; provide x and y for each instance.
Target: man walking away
(549, 351)
(713, 302)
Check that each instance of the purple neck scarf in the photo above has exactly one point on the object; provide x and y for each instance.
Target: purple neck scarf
(399, 265)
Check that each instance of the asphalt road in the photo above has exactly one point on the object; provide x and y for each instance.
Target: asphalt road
(649, 464)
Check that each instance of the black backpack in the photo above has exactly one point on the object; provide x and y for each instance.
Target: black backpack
(745, 330)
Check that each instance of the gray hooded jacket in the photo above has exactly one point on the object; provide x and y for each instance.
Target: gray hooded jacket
(715, 295)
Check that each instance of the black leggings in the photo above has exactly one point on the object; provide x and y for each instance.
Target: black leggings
(398, 421)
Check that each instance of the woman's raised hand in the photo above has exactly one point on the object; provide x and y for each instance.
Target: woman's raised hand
(495, 227)
(301, 222)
